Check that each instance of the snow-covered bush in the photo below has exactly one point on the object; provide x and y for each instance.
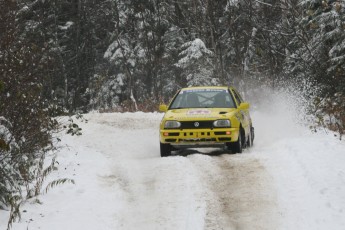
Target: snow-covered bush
(26, 125)
(330, 113)
(106, 91)
(8, 170)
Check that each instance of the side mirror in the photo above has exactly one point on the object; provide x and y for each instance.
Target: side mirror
(244, 106)
(163, 108)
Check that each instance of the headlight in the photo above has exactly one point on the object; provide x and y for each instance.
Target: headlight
(221, 123)
(172, 125)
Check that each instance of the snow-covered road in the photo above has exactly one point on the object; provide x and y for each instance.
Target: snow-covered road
(211, 189)
(290, 179)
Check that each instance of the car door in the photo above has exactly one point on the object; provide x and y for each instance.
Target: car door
(243, 113)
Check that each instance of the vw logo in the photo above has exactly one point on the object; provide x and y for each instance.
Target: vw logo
(196, 124)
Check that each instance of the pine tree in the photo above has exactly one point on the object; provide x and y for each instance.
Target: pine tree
(196, 62)
(317, 48)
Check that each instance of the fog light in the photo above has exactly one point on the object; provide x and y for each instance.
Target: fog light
(228, 132)
(166, 134)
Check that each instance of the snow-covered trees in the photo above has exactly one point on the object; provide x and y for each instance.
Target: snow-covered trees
(316, 58)
(106, 54)
(318, 46)
(196, 63)
(25, 122)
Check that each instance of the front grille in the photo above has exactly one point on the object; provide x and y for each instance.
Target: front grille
(196, 124)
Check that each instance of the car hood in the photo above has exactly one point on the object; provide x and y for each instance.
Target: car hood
(199, 114)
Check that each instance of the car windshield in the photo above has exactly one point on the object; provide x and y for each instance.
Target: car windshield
(203, 98)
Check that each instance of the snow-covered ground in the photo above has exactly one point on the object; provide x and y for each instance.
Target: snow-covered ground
(291, 179)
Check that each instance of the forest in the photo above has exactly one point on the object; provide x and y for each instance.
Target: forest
(67, 57)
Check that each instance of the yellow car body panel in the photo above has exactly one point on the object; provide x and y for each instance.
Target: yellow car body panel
(197, 123)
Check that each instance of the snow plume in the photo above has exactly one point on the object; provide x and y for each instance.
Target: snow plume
(277, 114)
(282, 111)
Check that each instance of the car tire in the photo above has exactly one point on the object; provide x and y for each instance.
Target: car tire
(165, 150)
(252, 134)
(250, 137)
(249, 141)
(236, 147)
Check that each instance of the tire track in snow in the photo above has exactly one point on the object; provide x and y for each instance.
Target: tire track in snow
(238, 192)
(158, 194)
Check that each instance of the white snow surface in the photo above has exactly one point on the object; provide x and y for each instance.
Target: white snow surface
(290, 179)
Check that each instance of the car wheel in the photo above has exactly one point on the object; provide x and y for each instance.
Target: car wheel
(249, 140)
(237, 146)
(165, 150)
(250, 137)
(252, 134)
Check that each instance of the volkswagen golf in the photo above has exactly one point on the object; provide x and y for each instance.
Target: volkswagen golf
(206, 117)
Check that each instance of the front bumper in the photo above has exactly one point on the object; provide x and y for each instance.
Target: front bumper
(199, 137)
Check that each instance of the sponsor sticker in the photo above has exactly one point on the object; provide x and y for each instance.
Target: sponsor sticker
(198, 112)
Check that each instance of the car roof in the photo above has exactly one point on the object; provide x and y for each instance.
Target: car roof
(206, 87)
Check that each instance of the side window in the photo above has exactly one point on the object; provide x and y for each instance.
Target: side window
(177, 100)
(238, 97)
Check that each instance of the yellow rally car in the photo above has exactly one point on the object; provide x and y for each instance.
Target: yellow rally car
(206, 117)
